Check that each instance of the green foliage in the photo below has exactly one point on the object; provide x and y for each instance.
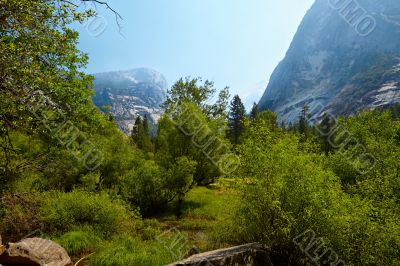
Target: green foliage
(21, 215)
(291, 191)
(189, 90)
(144, 187)
(130, 251)
(255, 110)
(80, 242)
(42, 82)
(304, 117)
(64, 211)
(369, 146)
(150, 186)
(140, 134)
(269, 118)
(189, 132)
(237, 114)
(326, 133)
(193, 91)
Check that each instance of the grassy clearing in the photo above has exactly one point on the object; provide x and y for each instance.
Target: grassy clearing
(160, 240)
(205, 211)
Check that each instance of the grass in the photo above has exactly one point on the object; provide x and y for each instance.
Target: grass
(80, 242)
(205, 210)
(133, 251)
(163, 240)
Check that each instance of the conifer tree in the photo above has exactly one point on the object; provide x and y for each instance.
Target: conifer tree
(146, 125)
(140, 135)
(235, 120)
(303, 120)
(325, 131)
(255, 110)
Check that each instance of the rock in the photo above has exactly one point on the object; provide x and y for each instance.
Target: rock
(2, 248)
(253, 254)
(338, 64)
(35, 251)
(132, 93)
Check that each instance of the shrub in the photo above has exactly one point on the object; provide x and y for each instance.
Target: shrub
(20, 215)
(291, 193)
(151, 187)
(143, 187)
(64, 211)
(79, 242)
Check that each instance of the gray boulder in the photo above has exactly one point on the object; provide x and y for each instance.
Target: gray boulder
(34, 251)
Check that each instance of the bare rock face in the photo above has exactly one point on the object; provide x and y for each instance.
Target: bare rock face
(246, 255)
(35, 252)
(344, 58)
(129, 94)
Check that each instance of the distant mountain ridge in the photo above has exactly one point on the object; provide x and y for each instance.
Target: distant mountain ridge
(336, 63)
(131, 93)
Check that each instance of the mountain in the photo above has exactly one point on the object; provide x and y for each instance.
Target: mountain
(344, 57)
(131, 93)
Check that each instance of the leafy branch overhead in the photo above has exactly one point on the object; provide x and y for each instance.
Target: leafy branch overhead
(77, 4)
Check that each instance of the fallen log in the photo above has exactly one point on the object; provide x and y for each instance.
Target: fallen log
(253, 254)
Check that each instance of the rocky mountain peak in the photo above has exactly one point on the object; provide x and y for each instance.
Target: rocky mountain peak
(131, 93)
(344, 57)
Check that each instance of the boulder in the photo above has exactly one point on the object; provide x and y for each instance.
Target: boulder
(2, 248)
(35, 252)
(253, 254)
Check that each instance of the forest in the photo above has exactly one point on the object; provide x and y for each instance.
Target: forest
(210, 173)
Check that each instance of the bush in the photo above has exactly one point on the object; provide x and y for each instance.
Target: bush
(291, 193)
(80, 242)
(64, 211)
(143, 187)
(20, 215)
(151, 187)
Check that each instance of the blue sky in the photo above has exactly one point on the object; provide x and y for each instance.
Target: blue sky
(234, 43)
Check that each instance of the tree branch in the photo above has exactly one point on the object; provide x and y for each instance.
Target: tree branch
(118, 17)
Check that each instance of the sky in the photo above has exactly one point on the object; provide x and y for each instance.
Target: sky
(235, 43)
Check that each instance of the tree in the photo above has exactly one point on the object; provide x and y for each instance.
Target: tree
(235, 120)
(255, 110)
(283, 125)
(189, 90)
(41, 77)
(190, 133)
(219, 109)
(303, 120)
(270, 118)
(140, 134)
(325, 133)
(136, 129)
(199, 93)
(146, 125)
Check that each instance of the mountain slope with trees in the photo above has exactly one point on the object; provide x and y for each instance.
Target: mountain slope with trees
(343, 58)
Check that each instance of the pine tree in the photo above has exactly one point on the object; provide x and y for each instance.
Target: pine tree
(303, 120)
(146, 125)
(140, 135)
(283, 125)
(254, 111)
(137, 128)
(325, 131)
(235, 120)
